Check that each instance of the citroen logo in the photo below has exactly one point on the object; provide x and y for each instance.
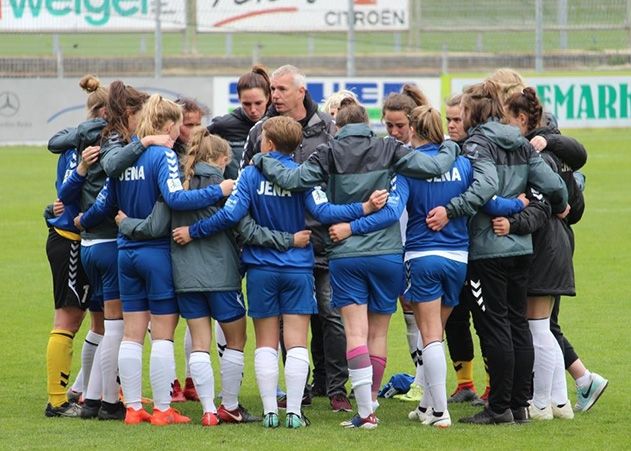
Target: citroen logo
(9, 104)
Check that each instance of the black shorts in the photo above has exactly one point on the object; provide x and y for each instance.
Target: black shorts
(70, 283)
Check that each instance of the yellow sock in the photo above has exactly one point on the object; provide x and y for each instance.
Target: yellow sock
(58, 362)
(464, 372)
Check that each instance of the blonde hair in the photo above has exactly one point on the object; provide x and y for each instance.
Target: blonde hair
(284, 132)
(335, 99)
(156, 113)
(204, 147)
(97, 95)
(509, 82)
(427, 124)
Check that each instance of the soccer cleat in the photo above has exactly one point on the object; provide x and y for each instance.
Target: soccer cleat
(415, 393)
(318, 390)
(169, 416)
(586, 398)
(295, 421)
(306, 401)
(133, 416)
(73, 396)
(484, 399)
(487, 416)
(419, 414)
(176, 393)
(370, 422)
(521, 415)
(538, 414)
(270, 420)
(109, 411)
(563, 412)
(210, 419)
(238, 415)
(441, 422)
(463, 393)
(340, 403)
(190, 393)
(67, 409)
(90, 408)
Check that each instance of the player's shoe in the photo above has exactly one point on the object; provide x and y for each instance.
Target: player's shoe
(521, 415)
(133, 416)
(112, 411)
(441, 422)
(90, 408)
(73, 396)
(419, 414)
(415, 393)
(67, 409)
(563, 412)
(169, 416)
(270, 420)
(177, 395)
(540, 414)
(487, 416)
(340, 403)
(306, 401)
(238, 415)
(463, 393)
(484, 399)
(295, 421)
(210, 419)
(585, 399)
(370, 422)
(190, 393)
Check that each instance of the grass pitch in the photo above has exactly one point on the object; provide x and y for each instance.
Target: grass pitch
(596, 321)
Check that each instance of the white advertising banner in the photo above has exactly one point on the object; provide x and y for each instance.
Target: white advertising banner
(300, 15)
(579, 102)
(65, 16)
(33, 110)
(369, 90)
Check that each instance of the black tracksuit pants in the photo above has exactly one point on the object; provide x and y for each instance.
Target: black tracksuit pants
(458, 332)
(497, 299)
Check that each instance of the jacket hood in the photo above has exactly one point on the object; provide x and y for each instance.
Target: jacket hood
(354, 130)
(504, 136)
(546, 130)
(207, 170)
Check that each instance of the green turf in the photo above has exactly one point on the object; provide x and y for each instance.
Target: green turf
(596, 321)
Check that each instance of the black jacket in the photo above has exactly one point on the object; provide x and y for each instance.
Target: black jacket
(234, 128)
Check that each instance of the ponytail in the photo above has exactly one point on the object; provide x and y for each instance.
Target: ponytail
(97, 95)
(156, 113)
(528, 103)
(427, 124)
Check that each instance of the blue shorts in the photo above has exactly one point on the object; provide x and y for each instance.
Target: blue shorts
(280, 291)
(146, 280)
(100, 264)
(375, 281)
(223, 306)
(431, 277)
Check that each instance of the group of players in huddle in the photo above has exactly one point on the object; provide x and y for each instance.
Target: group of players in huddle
(331, 225)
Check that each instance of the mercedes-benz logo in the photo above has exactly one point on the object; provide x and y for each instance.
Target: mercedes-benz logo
(9, 104)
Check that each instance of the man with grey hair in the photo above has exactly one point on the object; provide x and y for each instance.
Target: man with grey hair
(328, 346)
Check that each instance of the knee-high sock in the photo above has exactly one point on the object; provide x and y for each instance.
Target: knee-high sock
(232, 364)
(130, 372)
(220, 338)
(296, 372)
(109, 358)
(88, 352)
(436, 374)
(266, 370)
(94, 389)
(162, 369)
(360, 373)
(558, 395)
(378, 368)
(77, 384)
(188, 348)
(419, 377)
(58, 364)
(411, 333)
(204, 379)
(545, 361)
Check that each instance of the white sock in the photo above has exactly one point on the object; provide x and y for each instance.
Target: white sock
(411, 333)
(188, 347)
(361, 381)
(88, 351)
(266, 370)
(419, 377)
(130, 372)
(94, 389)
(558, 394)
(232, 364)
(220, 338)
(584, 380)
(162, 369)
(375, 405)
(545, 361)
(436, 374)
(204, 379)
(109, 358)
(77, 385)
(296, 372)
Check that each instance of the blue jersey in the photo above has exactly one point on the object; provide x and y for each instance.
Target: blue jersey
(137, 189)
(277, 209)
(70, 195)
